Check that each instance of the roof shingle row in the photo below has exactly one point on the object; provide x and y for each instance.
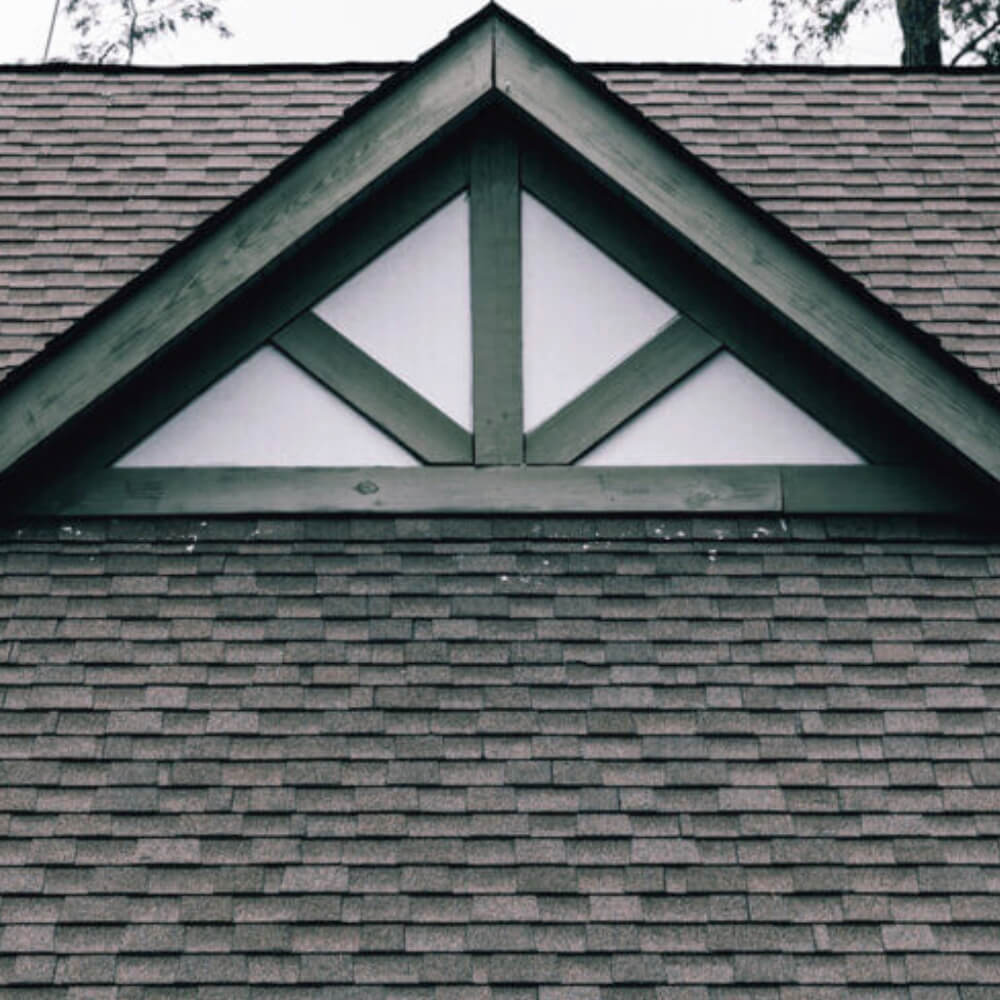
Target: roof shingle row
(500, 758)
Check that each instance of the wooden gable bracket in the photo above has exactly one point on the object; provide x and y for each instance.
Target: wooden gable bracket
(372, 177)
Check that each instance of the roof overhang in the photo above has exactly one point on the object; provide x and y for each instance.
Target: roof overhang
(495, 58)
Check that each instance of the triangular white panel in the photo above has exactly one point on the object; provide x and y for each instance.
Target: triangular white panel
(582, 313)
(722, 414)
(266, 411)
(409, 309)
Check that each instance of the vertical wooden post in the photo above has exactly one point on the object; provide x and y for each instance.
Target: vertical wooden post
(495, 248)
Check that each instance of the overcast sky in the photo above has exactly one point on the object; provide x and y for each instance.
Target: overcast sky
(338, 30)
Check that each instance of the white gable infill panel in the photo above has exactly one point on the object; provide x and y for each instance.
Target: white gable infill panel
(409, 310)
(266, 412)
(722, 414)
(582, 313)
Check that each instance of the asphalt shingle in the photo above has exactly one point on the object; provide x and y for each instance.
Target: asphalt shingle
(317, 819)
(893, 175)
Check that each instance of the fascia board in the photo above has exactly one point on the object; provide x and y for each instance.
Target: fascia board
(256, 234)
(824, 489)
(712, 219)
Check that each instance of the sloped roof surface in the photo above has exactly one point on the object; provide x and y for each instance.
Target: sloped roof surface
(358, 757)
(499, 757)
(895, 176)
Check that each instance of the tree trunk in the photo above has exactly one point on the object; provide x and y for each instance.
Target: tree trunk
(921, 24)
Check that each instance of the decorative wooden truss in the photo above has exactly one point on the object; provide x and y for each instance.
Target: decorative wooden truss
(494, 111)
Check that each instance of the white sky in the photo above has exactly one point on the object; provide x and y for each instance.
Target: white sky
(336, 30)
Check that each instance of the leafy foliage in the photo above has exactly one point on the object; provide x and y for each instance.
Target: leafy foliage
(978, 21)
(111, 30)
(969, 29)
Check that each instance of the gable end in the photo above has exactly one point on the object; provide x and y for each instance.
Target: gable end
(834, 333)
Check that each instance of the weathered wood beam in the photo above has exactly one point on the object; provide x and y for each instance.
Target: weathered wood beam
(495, 254)
(373, 390)
(429, 490)
(673, 353)
(507, 490)
(253, 237)
(720, 226)
(873, 489)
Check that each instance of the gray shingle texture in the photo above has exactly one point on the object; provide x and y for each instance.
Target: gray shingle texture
(762, 760)
(896, 177)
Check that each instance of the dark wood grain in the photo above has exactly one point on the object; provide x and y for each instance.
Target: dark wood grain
(674, 352)
(252, 238)
(507, 490)
(876, 489)
(374, 391)
(495, 235)
(429, 490)
(712, 221)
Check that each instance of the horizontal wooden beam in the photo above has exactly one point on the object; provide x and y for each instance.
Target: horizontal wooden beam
(302, 200)
(505, 490)
(428, 490)
(673, 353)
(778, 271)
(373, 390)
(873, 489)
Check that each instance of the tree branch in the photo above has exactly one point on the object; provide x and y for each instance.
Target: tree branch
(52, 28)
(130, 38)
(973, 43)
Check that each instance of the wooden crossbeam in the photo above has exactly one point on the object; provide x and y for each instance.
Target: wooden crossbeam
(374, 391)
(673, 353)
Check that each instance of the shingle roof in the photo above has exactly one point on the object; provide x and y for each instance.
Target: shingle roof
(893, 175)
(512, 757)
(474, 758)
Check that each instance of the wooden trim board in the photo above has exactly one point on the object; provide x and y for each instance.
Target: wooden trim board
(508, 490)
(860, 489)
(712, 221)
(374, 391)
(673, 353)
(495, 257)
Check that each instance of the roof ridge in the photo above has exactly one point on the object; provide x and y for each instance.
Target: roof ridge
(840, 69)
(394, 65)
(93, 69)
